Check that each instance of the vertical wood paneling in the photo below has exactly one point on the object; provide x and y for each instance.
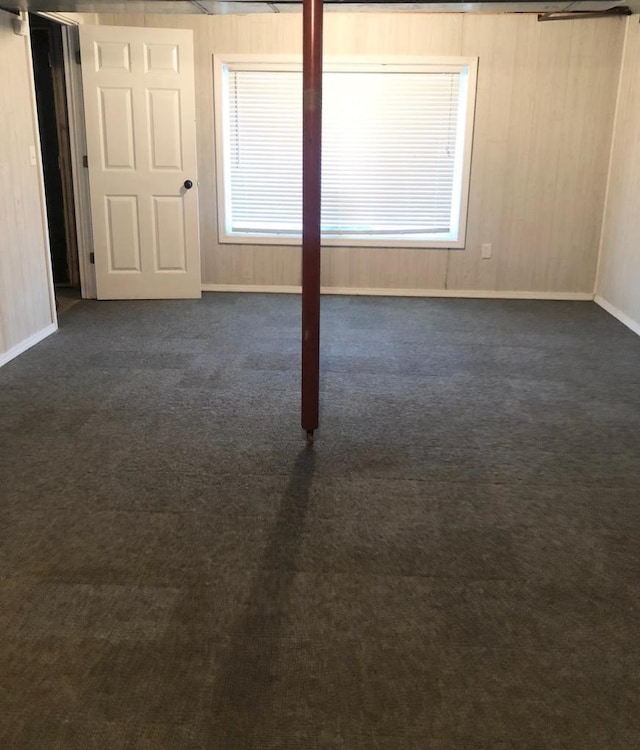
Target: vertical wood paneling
(544, 115)
(254, 34)
(494, 40)
(545, 101)
(25, 303)
(619, 278)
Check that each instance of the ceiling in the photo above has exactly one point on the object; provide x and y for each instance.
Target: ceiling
(218, 7)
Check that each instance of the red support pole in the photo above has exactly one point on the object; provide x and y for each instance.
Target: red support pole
(311, 183)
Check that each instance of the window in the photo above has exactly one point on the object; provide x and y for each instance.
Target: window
(396, 151)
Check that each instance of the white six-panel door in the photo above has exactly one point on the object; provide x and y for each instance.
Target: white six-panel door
(140, 115)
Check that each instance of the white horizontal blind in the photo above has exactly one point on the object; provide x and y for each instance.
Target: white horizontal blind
(388, 160)
(265, 151)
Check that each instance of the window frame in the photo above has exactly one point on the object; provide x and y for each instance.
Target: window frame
(468, 66)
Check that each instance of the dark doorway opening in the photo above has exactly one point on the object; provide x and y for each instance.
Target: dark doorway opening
(51, 98)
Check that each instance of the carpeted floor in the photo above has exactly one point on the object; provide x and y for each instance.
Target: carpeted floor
(66, 298)
(455, 566)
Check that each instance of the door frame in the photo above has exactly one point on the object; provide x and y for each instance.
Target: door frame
(77, 140)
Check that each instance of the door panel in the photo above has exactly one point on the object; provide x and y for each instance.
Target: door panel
(116, 129)
(169, 238)
(140, 112)
(164, 128)
(123, 233)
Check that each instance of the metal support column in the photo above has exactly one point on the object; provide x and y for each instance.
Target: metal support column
(311, 182)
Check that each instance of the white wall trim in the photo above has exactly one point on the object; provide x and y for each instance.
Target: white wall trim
(27, 343)
(61, 18)
(257, 288)
(634, 325)
(43, 199)
(80, 175)
(382, 292)
(614, 130)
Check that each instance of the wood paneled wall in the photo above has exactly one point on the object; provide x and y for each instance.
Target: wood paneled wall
(544, 115)
(25, 301)
(619, 277)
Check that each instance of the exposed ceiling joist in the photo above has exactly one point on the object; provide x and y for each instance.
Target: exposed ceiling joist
(572, 15)
(548, 9)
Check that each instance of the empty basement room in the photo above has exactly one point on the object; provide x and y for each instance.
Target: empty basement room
(452, 562)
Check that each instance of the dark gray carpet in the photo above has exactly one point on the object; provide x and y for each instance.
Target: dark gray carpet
(456, 565)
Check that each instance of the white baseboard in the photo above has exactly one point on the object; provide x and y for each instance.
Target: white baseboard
(458, 293)
(622, 317)
(256, 288)
(27, 344)
(383, 292)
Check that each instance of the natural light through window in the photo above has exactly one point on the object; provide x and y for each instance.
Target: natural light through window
(396, 143)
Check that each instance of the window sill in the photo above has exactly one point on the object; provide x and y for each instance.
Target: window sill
(391, 242)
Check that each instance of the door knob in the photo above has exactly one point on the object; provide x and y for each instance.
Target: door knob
(188, 184)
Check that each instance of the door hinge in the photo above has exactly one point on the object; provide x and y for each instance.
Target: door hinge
(92, 258)
(78, 60)
(85, 161)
